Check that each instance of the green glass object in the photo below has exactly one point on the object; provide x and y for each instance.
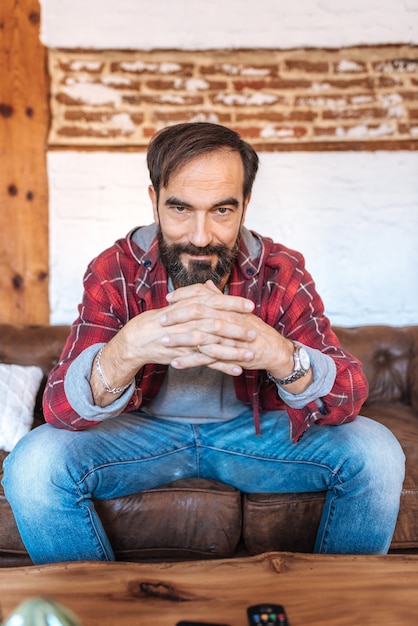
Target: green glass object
(42, 612)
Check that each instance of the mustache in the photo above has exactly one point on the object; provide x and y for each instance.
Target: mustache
(193, 250)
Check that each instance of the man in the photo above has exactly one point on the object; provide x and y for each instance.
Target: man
(197, 344)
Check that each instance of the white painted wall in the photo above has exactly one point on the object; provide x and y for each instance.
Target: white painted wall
(203, 24)
(353, 215)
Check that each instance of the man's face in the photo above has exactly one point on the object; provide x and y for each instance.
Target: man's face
(200, 214)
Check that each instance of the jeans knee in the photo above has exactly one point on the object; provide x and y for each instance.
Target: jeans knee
(387, 455)
(381, 458)
(32, 466)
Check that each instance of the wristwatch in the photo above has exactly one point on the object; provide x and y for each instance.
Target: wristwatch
(301, 367)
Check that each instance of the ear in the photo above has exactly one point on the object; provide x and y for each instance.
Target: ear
(244, 211)
(153, 195)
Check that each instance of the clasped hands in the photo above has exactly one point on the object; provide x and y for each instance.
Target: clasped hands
(200, 326)
(203, 326)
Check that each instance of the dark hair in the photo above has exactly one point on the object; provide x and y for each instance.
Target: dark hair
(176, 145)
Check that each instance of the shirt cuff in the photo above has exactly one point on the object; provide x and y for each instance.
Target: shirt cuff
(78, 391)
(324, 372)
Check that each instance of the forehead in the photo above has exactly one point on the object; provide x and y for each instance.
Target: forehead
(218, 168)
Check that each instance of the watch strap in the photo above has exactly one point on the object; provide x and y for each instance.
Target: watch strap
(297, 373)
(289, 379)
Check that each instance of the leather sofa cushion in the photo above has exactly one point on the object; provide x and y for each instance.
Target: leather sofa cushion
(188, 518)
(285, 522)
(12, 550)
(413, 371)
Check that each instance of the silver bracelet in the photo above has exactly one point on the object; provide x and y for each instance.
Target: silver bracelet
(105, 384)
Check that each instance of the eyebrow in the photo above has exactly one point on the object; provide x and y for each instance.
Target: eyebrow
(231, 201)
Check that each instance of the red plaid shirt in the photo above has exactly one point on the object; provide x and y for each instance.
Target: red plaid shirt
(125, 281)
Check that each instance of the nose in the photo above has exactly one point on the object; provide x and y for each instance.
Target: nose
(200, 233)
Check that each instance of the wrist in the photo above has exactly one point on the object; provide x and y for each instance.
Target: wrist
(108, 380)
(103, 379)
(281, 359)
(300, 366)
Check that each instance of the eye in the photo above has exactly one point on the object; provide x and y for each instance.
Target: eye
(223, 210)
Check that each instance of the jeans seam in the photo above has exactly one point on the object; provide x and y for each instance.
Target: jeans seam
(97, 535)
(82, 502)
(329, 514)
(96, 468)
(272, 460)
(198, 448)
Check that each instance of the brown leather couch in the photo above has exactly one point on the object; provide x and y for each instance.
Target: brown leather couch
(197, 518)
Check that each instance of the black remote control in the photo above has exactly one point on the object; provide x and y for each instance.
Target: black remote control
(267, 615)
(188, 623)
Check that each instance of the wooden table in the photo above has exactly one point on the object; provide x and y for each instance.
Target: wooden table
(315, 590)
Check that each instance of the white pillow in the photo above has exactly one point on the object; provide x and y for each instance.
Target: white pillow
(18, 388)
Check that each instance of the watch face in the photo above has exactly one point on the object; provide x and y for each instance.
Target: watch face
(304, 359)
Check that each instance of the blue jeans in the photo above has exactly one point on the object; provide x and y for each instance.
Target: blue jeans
(52, 476)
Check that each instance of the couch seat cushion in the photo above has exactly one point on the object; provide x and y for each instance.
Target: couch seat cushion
(189, 518)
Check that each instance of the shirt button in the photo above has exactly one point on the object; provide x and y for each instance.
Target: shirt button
(250, 271)
(147, 263)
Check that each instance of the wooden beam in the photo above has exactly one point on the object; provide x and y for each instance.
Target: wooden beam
(24, 121)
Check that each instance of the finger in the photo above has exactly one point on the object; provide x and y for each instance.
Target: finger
(232, 369)
(196, 290)
(227, 353)
(187, 362)
(210, 295)
(185, 312)
(211, 285)
(193, 359)
(208, 332)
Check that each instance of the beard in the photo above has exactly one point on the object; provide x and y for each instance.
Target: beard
(197, 271)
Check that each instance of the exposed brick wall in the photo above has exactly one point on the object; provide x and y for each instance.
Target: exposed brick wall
(361, 98)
